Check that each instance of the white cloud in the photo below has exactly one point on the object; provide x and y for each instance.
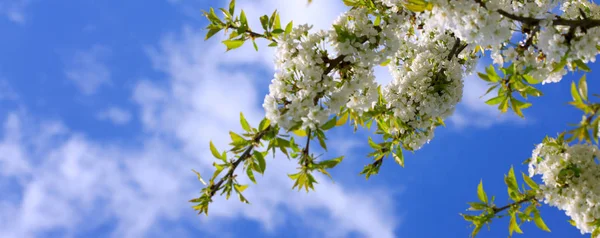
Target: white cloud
(68, 181)
(116, 115)
(14, 10)
(88, 70)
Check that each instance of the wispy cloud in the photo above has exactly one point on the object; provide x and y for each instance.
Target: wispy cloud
(14, 10)
(116, 115)
(140, 186)
(88, 70)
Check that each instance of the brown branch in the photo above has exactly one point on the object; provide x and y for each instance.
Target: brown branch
(246, 155)
(253, 34)
(524, 200)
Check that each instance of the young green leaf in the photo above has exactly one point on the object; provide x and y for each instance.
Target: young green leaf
(511, 183)
(264, 124)
(495, 100)
(513, 225)
(329, 124)
(240, 188)
(233, 44)
(212, 32)
(481, 193)
(583, 90)
(530, 79)
(199, 177)
(328, 164)
(399, 156)
(539, 222)
(244, 123)
(491, 73)
(214, 151)
(342, 120)
(236, 139)
(288, 27)
(262, 164)
(532, 184)
(232, 7)
(250, 174)
(301, 133)
(581, 65)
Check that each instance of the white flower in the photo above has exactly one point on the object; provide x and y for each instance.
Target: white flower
(571, 179)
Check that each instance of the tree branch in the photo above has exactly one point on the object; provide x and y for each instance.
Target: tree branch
(524, 200)
(246, 155)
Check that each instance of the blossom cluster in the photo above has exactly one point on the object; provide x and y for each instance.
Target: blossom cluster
(570, 175)
(426, 85)
(483, 24)
(320, 73)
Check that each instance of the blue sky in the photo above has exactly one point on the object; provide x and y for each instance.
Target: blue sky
(106, 106)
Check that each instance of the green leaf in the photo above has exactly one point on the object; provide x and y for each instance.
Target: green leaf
(373, 144)
(575, 93)
(484, 77)
(342, 120)
(377, 20)
(481, 193)
(250, 174)
(199, 177)
(301, 133)
(215, 152)
(243, 19)
(264, 124)
(244, 123)
(288, 27)
(212, 32)
(277, 22)
(530, 80)
(518, 105)
(264, 21)
(212, 16)
(596, 232)
(503, 105)
(233, 44)
(386, 62)
(511, 183)
(532, 91)
(559, 66)
(513, 225)
(236, 139)
(321, 138)
(489, 90)
(532, 184)
(477, 206)
(539, 222)
(495, 100)
(262, 164)
(328, 164)
(227, 15)
(399, 156)
(582, 65)
(583, 89)
(240, 188)
(491, 73)
(232, 7)
(329, 124)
